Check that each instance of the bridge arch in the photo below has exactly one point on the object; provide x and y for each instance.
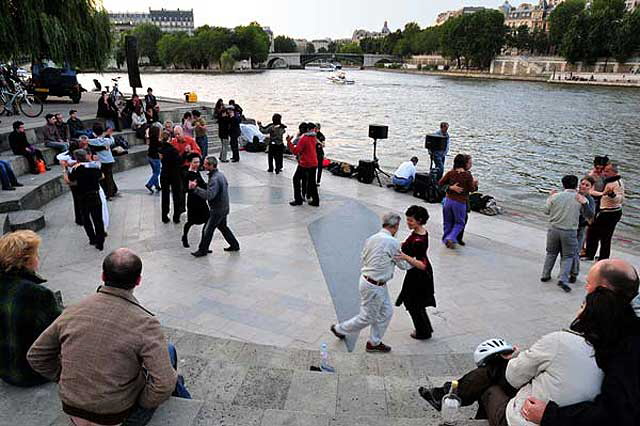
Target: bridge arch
(274, 60)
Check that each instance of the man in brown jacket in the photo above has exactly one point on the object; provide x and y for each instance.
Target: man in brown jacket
(108, 353)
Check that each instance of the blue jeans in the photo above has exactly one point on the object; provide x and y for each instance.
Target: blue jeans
(140, 416)
(438, 162)
(203, 143)
(57, 145)
(404, 182)
(575, 266)
(454, 216)
(7, 177)
(156, 167)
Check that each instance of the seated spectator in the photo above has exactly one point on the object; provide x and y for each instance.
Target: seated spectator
(52, 137)
(139, 122)
(26, 307)
(150, 116)
(617, 403)
(405, 174)
(8, 177)
(564, 366)
(21, 146)
(76, 127)
(168, 128)
(62, 127)
(128, 110)
(108, 110)
(150, 101)
(108, 353)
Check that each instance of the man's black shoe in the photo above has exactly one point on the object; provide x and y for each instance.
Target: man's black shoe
(18, 185)
(199, 253)
(433, 396)
(234, 161)
(270, 170)
(545, 279)
(462, 243)
(564, 287)
(165, 219)
(335, 332)
(317, 204)
(11, 188)
(295, 203)
(185, 241)
(100, 246)
(231, 249)
(176, 219)
(573, 279)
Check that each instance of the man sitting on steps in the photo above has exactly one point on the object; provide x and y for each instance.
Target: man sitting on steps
(108, 353)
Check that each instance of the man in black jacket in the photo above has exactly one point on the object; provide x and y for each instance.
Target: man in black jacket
(618, 402)
(21, 146)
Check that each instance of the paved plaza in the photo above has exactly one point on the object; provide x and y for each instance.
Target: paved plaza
(297, 269)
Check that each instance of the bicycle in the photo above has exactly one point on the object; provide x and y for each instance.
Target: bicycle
(115, 95)
(18, 99)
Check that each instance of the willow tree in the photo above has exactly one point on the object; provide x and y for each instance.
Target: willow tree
(72, 31)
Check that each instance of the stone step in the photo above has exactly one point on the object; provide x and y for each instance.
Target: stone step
(25, 219)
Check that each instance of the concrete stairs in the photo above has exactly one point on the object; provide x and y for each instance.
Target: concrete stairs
(236, 383)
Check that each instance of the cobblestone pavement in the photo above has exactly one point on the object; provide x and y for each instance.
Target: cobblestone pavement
(274, 291)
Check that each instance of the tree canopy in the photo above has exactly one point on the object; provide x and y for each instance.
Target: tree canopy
(284, 44)
(77, 32)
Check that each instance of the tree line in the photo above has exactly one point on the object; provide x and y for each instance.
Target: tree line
(207, 46)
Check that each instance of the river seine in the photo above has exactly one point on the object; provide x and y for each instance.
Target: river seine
(523, 136)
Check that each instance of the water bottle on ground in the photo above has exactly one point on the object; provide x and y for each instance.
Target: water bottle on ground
(451, 406)
(324, 360)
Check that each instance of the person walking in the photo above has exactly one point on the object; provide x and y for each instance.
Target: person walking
(319, 152)
(454, 209)
(21, 146)
(88, 185)
(563, 209)
(197, 209)
(217, 195)
(171, 180)
(604, 225)
(234, 132)
(306, 172)
(379, 259)
(275, 146)
(224, 123)
(417, 288)
(153, 156)
(101, 145)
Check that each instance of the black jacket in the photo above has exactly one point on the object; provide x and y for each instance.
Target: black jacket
(18, 142)
(619, 400)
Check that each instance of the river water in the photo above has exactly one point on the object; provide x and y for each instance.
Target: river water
(523, 136)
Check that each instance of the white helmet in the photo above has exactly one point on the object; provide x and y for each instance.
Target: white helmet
(489, 348)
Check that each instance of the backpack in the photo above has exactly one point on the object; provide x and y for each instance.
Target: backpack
(426, 187)
(484, 204)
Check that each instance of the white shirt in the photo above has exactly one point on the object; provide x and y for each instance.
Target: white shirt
(406, 170)
(377, 256)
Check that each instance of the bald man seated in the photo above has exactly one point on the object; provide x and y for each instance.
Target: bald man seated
(108, 353)
(619, 400)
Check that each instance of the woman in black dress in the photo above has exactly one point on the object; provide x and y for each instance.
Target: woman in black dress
(417, 289)
(197, 209)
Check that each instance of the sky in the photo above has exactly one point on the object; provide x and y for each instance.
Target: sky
(308, 19)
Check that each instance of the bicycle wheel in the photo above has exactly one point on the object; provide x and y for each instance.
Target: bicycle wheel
(30, 105)
(3, 103)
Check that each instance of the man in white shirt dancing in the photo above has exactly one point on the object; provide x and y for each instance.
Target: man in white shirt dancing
(406, 173)
(378, 264)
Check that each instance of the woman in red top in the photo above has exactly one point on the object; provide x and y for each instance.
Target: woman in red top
(417, 289)
(454, 209)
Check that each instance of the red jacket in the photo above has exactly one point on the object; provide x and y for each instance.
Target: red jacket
(306, 149)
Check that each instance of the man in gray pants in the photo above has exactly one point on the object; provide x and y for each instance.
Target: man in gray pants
(217, 194)
(564, 210)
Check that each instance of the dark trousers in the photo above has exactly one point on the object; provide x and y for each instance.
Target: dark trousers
(304, 177)
(220, 222)
(91, 210)
(320, 154)
(235, 153)
(601, 232)
(275, 154)
(77, 211)
(172, 185)
(488, 386)
(31, 157)
(7, 177)
(108, 184)
(421, 322)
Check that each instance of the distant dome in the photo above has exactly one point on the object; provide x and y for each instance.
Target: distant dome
(385, 29)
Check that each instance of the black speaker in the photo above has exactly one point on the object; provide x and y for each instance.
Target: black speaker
(378, 132)
(435, 143)
(366, 171)
(131, 47)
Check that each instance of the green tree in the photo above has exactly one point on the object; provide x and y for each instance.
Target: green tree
(452, 39)
(428, 41)
(310, 48)
(323, 50)
(283, 44)
(229, 58)
(484, 38)
(77, 32)
(148, 36)
(540, 43)
(352, 47)
(252, 42)
(628, 37)
(575, 42)
(561, 18)
(212, 42)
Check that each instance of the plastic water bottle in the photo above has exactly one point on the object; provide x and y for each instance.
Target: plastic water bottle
(324, 359)
(451, 406)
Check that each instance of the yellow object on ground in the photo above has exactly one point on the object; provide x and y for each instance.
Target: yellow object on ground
(191, 97)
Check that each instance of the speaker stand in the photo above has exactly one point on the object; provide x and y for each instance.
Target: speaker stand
(376, 166)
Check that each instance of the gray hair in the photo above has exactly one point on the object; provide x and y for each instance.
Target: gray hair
(389, 220)
(80, 155)
(212, 160)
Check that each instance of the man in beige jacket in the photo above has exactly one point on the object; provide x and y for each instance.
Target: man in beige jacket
(108, 353)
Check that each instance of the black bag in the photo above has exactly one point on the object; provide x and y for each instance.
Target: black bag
(426, 187)
(366, 171)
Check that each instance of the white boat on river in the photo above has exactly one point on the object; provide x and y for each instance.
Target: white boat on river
(340, 78)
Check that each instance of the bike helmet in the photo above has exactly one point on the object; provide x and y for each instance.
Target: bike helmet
(488, 348)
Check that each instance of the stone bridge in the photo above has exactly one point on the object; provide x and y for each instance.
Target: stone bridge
(299, 60)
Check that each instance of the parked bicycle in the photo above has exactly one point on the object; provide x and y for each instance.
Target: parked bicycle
(116, 95)
(15, 99)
